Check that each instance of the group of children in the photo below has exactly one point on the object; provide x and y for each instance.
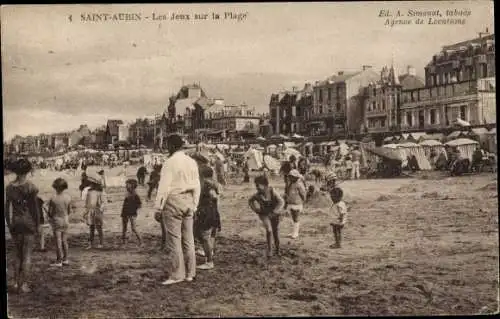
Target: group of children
(24, 213)
(268, 205)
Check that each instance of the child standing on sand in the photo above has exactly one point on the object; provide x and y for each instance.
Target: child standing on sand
(131, 205)
(94, 205)
(22, 217)
(339, 213)
(267, 203)
(208, 217)
(60, 207)
(295, 199)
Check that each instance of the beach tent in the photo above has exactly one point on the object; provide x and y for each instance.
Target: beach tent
(291, 151)
(289, 144)
(271, 163)
(297, 136)
(413, 149)
(255, 160)
(260, 138)
(465, 146)
(429, 145)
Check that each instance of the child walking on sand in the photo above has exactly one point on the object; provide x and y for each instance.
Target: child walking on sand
(94, 205)
(295, 199)
(208, 218)
(131, 205)
(339, 212)
(60, 207)
(267, 203)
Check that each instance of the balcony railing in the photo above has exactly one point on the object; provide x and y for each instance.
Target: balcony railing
(455, 64)
(468, 61)
(432, 69)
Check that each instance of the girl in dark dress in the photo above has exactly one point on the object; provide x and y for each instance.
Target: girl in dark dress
(208, 218)
(22, 216)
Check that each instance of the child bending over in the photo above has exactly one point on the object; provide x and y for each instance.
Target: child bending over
(267, 203)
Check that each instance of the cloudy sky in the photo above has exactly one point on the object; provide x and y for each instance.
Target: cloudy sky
(57, 73)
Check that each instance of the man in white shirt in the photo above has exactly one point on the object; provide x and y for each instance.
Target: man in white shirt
(177, 199)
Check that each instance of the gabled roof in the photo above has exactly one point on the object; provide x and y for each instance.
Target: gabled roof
(408, 81)
(182, 104)
(342, 77)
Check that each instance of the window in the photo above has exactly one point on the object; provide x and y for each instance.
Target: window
(383, 105)
(374, 106)
(338, 107)
(409, 119)
(320, 98)
(382, 123)
(433, 116)
(321, 109)
(374, 92)
(484, 70)
(329, 94)
(463, 114)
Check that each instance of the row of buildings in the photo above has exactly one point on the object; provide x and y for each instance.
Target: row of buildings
(459, 83)
(190, 112)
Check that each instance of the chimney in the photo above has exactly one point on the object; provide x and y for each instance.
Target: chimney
(411, 70)
(294, 89)
(366, 67)
(340, 72)
(307, 86)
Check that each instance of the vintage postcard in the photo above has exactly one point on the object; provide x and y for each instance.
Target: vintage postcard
(250, 159)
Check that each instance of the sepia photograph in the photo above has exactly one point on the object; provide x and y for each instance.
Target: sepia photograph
(250, 159)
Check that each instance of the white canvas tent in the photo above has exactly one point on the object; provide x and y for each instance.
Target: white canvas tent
(413, 149)
(271, 163)
(255, 159)
(429, 145)
(465, 146)
(291, 151)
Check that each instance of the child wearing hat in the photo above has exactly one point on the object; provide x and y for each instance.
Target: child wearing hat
(94, 205)
(60, 207)
(339, 212)
(295, 197)
(131, 204)
(267, 203)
